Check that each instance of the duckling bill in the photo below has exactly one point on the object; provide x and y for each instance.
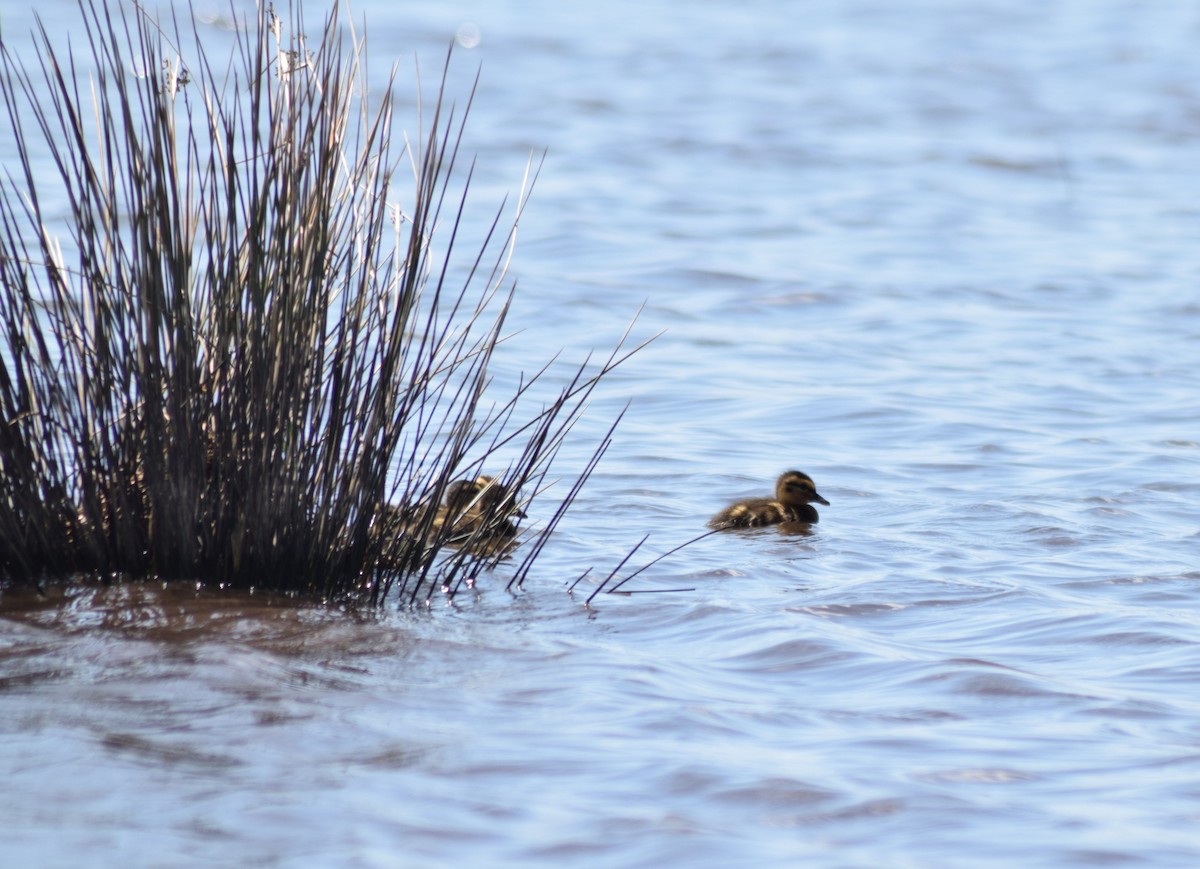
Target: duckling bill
(794, 491)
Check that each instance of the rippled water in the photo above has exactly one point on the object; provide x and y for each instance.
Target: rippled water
(941, 256)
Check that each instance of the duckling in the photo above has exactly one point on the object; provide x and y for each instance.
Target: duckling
(793, 492)
(476, 512)
(481, 507)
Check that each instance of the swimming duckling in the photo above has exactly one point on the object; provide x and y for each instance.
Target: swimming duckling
(477, 513)
(481, 506)
(793, 491)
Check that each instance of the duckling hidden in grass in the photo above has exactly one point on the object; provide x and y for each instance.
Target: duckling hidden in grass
(791, 506)
(477, 514)
(482, 507)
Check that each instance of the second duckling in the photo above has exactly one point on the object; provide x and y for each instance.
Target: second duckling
(482, 505)
(794, 491)
(476, 513)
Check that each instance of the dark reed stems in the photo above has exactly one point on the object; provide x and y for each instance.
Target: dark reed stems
(607, 586)
(242, 363)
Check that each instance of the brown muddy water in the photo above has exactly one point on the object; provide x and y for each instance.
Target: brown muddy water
(941, 256)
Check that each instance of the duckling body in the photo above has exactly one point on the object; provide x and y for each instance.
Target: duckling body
(793, 492)
(481, 506)
(475, 513)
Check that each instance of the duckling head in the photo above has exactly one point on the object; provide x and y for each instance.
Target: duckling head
(483, 495)
(795, 488)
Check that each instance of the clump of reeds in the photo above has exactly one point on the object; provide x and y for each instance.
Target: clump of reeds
(237, 361)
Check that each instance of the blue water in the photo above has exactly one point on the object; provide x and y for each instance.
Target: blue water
(941, 256)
